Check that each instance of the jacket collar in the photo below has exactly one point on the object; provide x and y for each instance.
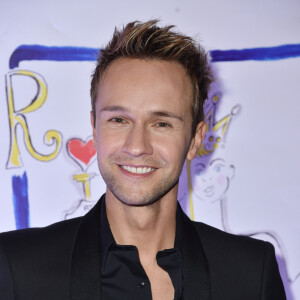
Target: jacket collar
(85, 263)
(85, 281)
(196, 281)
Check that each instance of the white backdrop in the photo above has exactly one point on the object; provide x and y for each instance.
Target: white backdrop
(249, 183)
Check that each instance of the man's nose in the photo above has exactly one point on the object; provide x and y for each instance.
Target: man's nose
(138, 142)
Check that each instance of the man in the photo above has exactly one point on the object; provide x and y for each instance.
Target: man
(147, 96)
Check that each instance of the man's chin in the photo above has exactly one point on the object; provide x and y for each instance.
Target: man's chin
(141, 195)
(137, 201)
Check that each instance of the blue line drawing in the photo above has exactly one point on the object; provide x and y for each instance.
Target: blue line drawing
(20, 200)
(40, 52)
(260, 54)
(69, 53)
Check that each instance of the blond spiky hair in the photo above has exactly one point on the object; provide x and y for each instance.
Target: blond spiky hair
(149, 41)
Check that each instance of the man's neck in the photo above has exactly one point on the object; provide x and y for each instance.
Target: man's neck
(149, 228)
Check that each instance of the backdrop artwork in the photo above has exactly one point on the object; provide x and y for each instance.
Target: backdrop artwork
(244, 179)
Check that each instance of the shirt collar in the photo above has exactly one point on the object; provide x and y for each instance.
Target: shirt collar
(107, 239)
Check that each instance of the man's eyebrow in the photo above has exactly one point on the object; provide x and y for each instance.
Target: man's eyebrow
(113, 108)
(117, 108)
(166, 114)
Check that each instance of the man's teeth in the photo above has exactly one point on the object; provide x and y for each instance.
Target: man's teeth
(139, 170)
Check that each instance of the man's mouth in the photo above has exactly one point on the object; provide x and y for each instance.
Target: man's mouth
(137, 170)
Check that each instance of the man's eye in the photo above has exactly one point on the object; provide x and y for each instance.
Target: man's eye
(117, 120)
(162, 124)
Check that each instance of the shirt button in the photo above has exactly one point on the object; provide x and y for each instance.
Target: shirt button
(142, 284)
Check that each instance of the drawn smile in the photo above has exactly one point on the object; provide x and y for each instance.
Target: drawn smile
(209, 190)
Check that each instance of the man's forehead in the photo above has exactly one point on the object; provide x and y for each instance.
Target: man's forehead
(171, 72)
(153, 83)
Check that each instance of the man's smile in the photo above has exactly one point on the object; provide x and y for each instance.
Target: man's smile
(138, 170)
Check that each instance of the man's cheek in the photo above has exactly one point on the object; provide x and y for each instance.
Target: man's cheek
(107, 141)
(166, 150)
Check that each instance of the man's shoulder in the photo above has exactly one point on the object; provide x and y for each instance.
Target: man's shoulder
(240, 261)
(36, 260)
(218, 241)
(224, 249)
(209, 234)
(56, 240)
(43, 239)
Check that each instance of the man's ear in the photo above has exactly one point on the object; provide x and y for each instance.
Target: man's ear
(93, 126)
(197, 140)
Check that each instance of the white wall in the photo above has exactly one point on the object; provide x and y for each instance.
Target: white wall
(252, 186)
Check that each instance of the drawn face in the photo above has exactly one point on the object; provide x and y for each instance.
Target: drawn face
(143, 129)
(211, 183)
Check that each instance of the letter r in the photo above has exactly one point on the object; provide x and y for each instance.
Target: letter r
(18, 118)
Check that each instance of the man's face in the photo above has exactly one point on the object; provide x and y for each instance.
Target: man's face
(143, 129)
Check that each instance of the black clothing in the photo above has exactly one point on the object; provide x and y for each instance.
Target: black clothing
(123, 276)
(62, 261)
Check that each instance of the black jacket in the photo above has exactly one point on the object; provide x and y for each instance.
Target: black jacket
(62, 261)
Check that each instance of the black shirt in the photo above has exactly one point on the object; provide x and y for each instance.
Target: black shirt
(122, 275)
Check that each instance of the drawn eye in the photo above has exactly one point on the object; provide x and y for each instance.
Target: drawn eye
(218, 168)
(198, 172)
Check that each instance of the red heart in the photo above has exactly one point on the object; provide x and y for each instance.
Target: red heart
(80, 150)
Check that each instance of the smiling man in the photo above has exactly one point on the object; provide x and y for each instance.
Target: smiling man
(143, 125)
(147, 96)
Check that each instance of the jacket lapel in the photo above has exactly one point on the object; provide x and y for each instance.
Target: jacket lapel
(85, 277)
(196, 282)
(85, 265)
